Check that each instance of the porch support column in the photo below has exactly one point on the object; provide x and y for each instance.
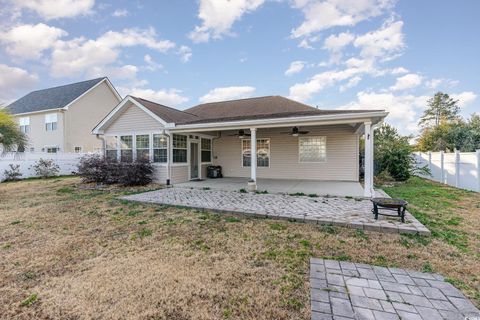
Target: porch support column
(253, 154)
(368, 173)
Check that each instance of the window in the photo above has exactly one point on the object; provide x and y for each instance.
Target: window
(52, 149)
(51, 122)
(78, 149)
(160, 153)
(111, 147)
(206, 150)
(312, 149)
(179, 148)
(126, 148)
(24, 123)
(32, 149)
(143, 147)
(263, 152)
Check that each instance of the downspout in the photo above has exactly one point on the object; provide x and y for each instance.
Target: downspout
(64, 118)
(104, 146)
(169, 158)
(219, 135)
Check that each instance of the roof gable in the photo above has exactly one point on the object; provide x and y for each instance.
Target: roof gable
(169, 115)
(52, 98)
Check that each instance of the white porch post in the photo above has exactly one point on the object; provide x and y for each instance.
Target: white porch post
(368, 174)
(253, 154)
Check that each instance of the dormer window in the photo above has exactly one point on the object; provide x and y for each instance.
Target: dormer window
(51, 121)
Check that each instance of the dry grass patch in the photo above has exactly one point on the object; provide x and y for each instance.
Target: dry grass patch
(83, 254)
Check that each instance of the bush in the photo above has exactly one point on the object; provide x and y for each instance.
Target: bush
(46, 168)
(13, 173)
(98, 169)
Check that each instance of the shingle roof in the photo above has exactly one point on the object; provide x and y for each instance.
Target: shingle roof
(257, 108)
(51, 98)
(168, 114)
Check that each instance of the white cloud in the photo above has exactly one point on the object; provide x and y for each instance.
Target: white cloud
(407, 81)
(404, 110)
(76, 56)
(227, 93)
(29, 41)
(126, 72)
(351, 83)
(55, 9)
(295, 67)
(14, 80)
(464, 98)
(168, 97)
(335, 44)
(121, 13)
(437, 82)
(185, 53)
(385, 43)
(324, 14)
(398, 70)
(218, 17)
(151, 64)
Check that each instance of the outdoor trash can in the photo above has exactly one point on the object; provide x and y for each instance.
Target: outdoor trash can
(214, 172)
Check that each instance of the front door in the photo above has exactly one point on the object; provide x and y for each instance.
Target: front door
(194, 163)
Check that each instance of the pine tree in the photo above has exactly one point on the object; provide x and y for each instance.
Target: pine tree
(441, 108)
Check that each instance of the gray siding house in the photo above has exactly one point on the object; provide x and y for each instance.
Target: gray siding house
(258, 138)
(61, 119)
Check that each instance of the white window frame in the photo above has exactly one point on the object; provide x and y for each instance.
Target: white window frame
(24, 123)
(51, 119)
(149, 145)
(75, 149)
(132, 148)
(186, 148)
(269, 153)
(201, 150)
(51, 147)
(312, 137)
(153, 149)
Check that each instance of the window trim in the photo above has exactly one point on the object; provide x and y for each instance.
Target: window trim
(75, 147)
(308, 137)
(201, 150)
(187, 149)
(24, 124)
(269, 153)
(149, 148)
(49, 121)
(152, 147)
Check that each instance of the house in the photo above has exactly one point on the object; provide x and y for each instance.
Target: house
(292, 140)
(62, 118)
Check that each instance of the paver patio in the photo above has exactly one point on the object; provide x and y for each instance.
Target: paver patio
(346, 212)
(346, 290)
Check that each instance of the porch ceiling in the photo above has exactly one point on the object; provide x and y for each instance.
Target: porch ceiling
(321, 188)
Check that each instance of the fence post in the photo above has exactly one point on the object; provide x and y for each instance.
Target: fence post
(442, 168)
(478, 170)
(457, 168)
(430, 161)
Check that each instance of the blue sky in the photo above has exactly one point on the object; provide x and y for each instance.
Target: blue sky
(350, 54)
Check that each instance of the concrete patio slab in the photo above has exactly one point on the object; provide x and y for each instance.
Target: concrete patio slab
(346, 290)
(321, 188)
(347, 212)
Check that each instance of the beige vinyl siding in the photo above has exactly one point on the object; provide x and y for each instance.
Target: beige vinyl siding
(160, 174)
(39, 137)
(342, 155)
(84, 114)
(179, 174)
(133, 119)
(204, 171)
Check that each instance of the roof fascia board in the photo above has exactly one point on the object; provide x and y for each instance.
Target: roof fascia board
(35, 112)
(277, 122)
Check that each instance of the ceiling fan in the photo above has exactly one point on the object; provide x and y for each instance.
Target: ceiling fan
(295, 132)
(241, 134)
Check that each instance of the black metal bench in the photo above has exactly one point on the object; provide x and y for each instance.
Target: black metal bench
(397, 205)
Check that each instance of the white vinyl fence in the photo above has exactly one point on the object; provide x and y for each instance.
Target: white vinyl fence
(66, 161)
(458, 169)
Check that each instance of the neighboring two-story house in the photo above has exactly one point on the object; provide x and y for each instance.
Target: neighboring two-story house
(61, 119)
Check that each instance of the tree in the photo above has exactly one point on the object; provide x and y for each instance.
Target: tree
(441, 108)
(11, 138)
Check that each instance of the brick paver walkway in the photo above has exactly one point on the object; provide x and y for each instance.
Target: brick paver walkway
(353, 213)
(346, 290)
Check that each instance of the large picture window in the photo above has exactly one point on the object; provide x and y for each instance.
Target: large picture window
(126, 148)
(263, 152)
(312, 149)
(111, 147)
(160, 153)
(179, 148)
(206, 150)
(143, 147)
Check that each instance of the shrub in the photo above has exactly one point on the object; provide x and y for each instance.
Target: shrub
(46, 168)
(95, 168)
(13, 173)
